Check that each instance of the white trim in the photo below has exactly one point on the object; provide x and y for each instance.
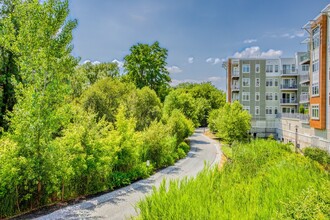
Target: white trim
(318, 109)
(248, 66)
(249, 82)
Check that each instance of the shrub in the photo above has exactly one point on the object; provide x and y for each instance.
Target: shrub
(184, 146)
(318, 155)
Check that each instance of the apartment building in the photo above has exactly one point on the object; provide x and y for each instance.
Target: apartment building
(266, 88)
(288, 97)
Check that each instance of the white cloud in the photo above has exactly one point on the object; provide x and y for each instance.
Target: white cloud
(86, 61)
(92, 62)
(250, 41)
(119, 63)
(176, 82)
(174, 69)
(190, 60)
(96, 62)
(209, 60)
(289, 35)
(255, 52)
(215, 79)
(216, 61)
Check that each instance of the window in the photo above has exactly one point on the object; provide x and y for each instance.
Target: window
(257, 82)
(246, 68)
(276, 82)
(269, 96)
(269, 68)
(257, 96)
(246, 108)
(316, 37)
(275, 96)
(315, 89)
(269, 82)
(275, 111)
(305, 67)
(293, 68)
(257, 68)
(245, 96)
(269, 110)
(315, 112)
(246, 82)
(315, 66)
(257, 110)
(276, 68)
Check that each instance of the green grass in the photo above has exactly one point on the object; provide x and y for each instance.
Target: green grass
(264, 180)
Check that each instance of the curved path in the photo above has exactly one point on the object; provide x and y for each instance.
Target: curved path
(120, 204)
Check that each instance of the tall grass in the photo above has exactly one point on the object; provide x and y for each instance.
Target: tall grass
(264, 180)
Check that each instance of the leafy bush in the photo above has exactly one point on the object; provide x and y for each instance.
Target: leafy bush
(317, 154)
(184, 146)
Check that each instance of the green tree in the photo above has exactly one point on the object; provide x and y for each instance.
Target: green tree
(88, 73)
(105, 96)
(183, 102)
(144, 105)
(43, 49)
(146, 66)
(231, 122)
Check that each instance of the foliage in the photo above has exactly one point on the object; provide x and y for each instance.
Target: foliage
(264, 180)
(183, 102)
(144, 105)
(231, 122)
(105, 96)
(301, 109)
(89, 73)
(146, 66)
(317, 154)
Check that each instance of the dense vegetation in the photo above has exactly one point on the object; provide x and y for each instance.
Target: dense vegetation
(68, 130)
(263, 180)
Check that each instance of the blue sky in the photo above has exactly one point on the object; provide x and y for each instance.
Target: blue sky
(198, 34)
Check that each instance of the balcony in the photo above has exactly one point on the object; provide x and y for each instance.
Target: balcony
(289, 102)
(304, 98)
(235, 74)
(289, 72)
(289, 87)
(235, 88)
(304, 78)
(304, 118)
(305, 58)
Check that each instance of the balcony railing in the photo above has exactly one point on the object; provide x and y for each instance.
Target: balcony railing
(301, 117)
(235, 74)
(305, 58)
(289, 101)
(235, 87)
(304, 78)
(289, 72)
(289, 86)
(304, 98)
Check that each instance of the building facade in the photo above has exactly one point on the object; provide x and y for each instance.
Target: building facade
(288, 97)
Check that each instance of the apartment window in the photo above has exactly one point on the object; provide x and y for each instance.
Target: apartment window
(257, 82)
(315, 111)
(257, 110)
(275, 96)
(316, 37)
(257, 96)
(269, 96)
(269, 68)
(269, 82)
(246, 82)
(276, 82)
(246, 68)
(305, 67)
(269, 110)
(246, 108)
(276, 68)
(293, 68)
(257, 68)
(245, 96)
(275, 111)
(315, 66)
(315, 89)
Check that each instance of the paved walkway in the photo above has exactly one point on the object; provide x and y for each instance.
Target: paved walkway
(120, 204)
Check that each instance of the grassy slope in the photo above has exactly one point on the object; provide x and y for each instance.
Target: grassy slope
(264, 180)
